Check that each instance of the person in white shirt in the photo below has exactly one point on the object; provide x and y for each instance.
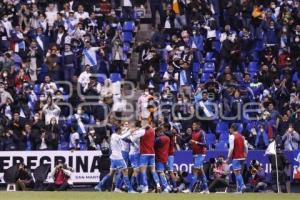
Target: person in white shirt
(48, 87)
(117, 160)
(7, 25)
(142, 106)
(51, 110)
(51, 14)
(134, 153)
(74, 139)
(89, 54)
(84, 77)
(80, 14)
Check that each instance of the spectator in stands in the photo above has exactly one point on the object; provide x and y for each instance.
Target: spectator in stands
(51, 110)
(262, 140)
(291, 139)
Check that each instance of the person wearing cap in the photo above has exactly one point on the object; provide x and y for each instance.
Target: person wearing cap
(238, 150)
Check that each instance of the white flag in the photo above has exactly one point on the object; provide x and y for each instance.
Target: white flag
(271, 149)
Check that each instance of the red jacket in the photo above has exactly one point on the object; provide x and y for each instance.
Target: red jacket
(147, 142)
(162, 145)
(198, 149)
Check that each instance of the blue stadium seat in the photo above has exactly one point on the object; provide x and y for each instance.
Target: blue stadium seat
(37, 89)
(126, 47)
(222, 127)
(221, 146)
(216, 45)
(209, 67)
(196, 67)
(127, 36)
(254, 57)
(128, 26)
(115, 77)
(210, 139)
(224, 137)
(295, 77)
(205, 77)
(253, 67)
(163, 67)
(101, 78)
(240, 127)
(209, 57)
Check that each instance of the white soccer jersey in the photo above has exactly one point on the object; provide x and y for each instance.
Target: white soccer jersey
(125, 144)
(135, 141)
(116, 146)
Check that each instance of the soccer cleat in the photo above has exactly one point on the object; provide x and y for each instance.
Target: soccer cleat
(186, 191)
(158, 189)
(118, 190)
(204, 192)
(132, 192)
(145, 189)
(243, 188)
(98, 188)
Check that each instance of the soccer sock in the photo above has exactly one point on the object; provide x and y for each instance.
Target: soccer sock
(119, 180)
(155, 178)
(240, 180)
(133, 180)
(163, 180)
(192, 183)
(174, 184)
(204, 181)
(127, 182)
(144, 179)
(103, 181)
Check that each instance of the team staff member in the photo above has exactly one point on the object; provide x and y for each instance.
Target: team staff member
(237, 153)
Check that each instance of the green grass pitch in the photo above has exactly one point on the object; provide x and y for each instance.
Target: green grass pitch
(123, 196)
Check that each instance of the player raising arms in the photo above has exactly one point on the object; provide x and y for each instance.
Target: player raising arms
(147, 158)
(134, 153)
(162, 144)
(199, 152)
(237, 152)
(117, 160)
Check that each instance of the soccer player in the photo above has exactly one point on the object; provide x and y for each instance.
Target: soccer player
(162, 145)
(170, 164)
(125, 153)
(199, 151)
(134, 153)
(237, 152)
(117, 161)
(147, 158)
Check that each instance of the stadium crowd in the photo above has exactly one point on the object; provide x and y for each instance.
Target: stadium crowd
(207, 64)
(209, 59)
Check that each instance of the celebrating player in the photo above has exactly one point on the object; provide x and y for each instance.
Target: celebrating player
(237, 152)
(162, 144)
(117, 161)
(199, 151)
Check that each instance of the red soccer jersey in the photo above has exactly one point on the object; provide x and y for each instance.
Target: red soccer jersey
(147, 142)
(172, 144)
(162, 149)
(239, 147)
(197, 148)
